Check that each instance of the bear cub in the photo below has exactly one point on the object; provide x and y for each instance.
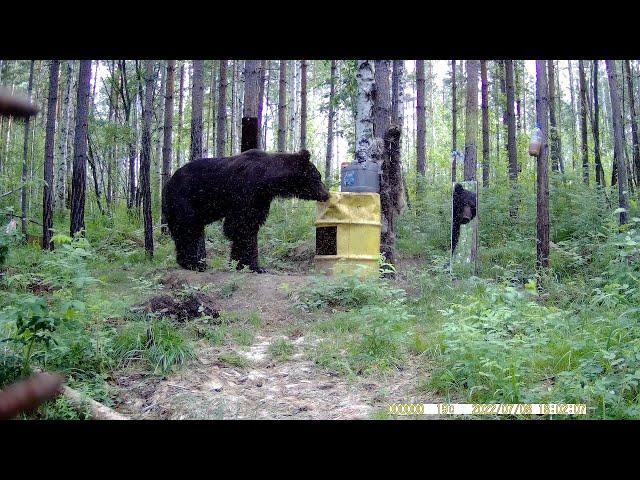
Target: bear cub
(239, 191)
(464, 210)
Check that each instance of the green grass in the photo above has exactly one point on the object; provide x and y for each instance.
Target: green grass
(234, 360)
(281, 349)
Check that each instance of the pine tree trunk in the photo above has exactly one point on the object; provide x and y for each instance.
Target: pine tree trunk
(616, 114)
(542, 219)
(160, 127)
(330, 122)
(27, 125)
(574, 142)
(50, 133)
(471, 122)
(197, 92)
(596, 128)
(282, 107)
(267, 112)
(78, 184)
(263, 74)
(180, 117)
(485, 123)
(421, 160)
(303, 104)
(250, 127)
(554, 133)
(454, 131)
(511, 137)
(222, 109)
(64, 135)
(634, 123)
(168, 133)
(145, 157)
(583, 123)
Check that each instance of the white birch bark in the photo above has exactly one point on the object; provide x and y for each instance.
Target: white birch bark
(364, 111)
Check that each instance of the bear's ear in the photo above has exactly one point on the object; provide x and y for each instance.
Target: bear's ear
(305, 155)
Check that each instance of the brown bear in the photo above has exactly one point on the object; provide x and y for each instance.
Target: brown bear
(238, 189)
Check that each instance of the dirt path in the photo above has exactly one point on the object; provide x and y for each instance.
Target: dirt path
(257, 387)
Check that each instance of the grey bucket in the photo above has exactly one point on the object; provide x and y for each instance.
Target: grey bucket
(360, 177)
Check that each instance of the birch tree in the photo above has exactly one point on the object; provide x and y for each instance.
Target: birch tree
(50, 133)
(364, 110)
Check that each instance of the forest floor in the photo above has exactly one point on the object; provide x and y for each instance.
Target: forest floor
(245, 379)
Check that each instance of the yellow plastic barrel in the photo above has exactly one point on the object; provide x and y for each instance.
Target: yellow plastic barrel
(348, 233)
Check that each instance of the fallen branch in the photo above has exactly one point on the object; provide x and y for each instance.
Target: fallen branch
(98, 410)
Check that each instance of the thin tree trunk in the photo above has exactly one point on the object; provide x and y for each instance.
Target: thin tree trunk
(27, 124)
(303, 104)
(222, 109)
(364, 111)
(397, 115)
(263, 74)
(250, 127)
(554, 133)
(634, 123)
(64, 134)
(619, 144)
(511, 138)
(180, 117)
(168, 131)
(574, 143)
(542, 222)
(282, 105)
(471, 122)
(145, 156)
(78, 185)
(421, 160)
(454, 131)
(485, 123)
(583, 123)
(47, 198)
(596, 128)
(197, 92)
(330, 122)
(234, 93)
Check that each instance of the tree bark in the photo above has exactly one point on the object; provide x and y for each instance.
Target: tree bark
(364, 109)
(596, 128)
(330, 122)
(511, 137)
(554, 133)
(145, 157)
(27, 125)
(64, 134)
(574, 143)
(222, 109)
(634, 123)
(542, 180)
(197, 92)
(282, 107)
(303, 104)
(471, 122)
(454, 130)
(263, 77)
(583, 123)
(420, 122)
(616, 114)
(250, 127)
(79, 181)
(168, 132)
(485, 123)
(180, 117)
(50, 133)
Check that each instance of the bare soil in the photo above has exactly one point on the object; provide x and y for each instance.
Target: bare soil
(259, 387)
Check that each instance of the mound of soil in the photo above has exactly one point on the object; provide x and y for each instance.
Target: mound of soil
(182, 309)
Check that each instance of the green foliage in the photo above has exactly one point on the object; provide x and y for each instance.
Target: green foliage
(344, 291)
(157, 342)
(281, 349)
